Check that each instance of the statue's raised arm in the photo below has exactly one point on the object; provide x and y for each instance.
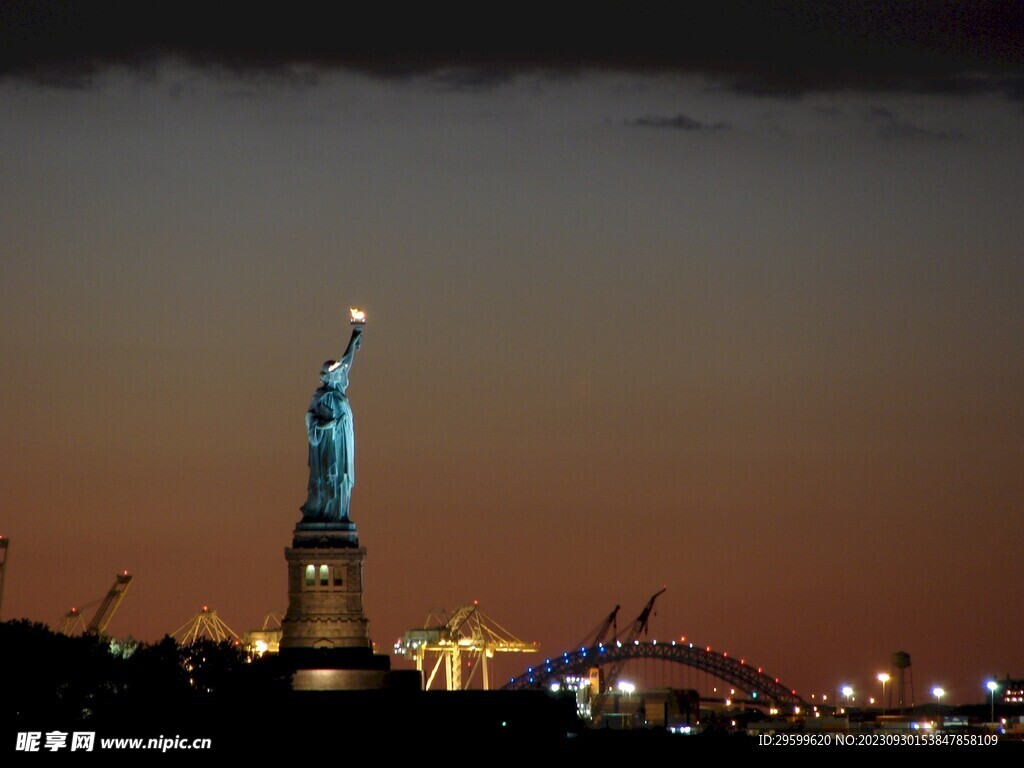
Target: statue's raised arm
(353, 345)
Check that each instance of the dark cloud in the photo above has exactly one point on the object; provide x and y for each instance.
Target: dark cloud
(472, 78)
(779, 48)
(890, 126)
(679, 122)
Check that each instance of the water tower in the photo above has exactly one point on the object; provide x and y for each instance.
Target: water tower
(904, 677)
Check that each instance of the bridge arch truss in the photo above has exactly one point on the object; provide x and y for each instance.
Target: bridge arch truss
(734, 671)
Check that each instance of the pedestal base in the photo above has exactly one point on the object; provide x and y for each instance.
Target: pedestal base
(338, 669)
(339, 680)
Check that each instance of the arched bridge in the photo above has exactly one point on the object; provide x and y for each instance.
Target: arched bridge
(734, 671)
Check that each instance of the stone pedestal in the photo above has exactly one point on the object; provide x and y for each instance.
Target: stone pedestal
(325, 598)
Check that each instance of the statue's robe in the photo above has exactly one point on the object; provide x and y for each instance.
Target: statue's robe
(331, 455)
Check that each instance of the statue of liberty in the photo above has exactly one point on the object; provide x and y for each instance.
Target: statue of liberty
(332, 439)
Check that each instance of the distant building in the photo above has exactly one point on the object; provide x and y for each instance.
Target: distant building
(671, 707)
(659, 708)
(1011, 691)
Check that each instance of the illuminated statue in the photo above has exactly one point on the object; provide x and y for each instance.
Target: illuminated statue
(332, 440)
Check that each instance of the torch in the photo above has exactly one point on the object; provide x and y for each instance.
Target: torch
(357, 319)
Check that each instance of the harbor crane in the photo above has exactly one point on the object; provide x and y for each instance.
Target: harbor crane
(103, 615)
(205, 625)
(597, 636)
(639, 627)
(71, 623)
(73, 620)
(468, 632)
(266, 639)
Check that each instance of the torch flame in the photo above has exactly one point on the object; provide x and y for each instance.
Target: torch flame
(356, 315)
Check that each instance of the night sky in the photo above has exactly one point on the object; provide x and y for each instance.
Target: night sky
(729, 303)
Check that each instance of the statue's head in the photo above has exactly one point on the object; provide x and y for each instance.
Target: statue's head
(335, 373)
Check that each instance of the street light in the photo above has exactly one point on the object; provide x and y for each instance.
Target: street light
(938, 693)
(847, 692)
(992, 685)
(883, 679)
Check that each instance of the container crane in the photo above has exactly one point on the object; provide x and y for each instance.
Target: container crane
(103, 615)
(468, 632)
(74, 621)
(205, 625)
(597, 636)
(266, 639)
(638, 628)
